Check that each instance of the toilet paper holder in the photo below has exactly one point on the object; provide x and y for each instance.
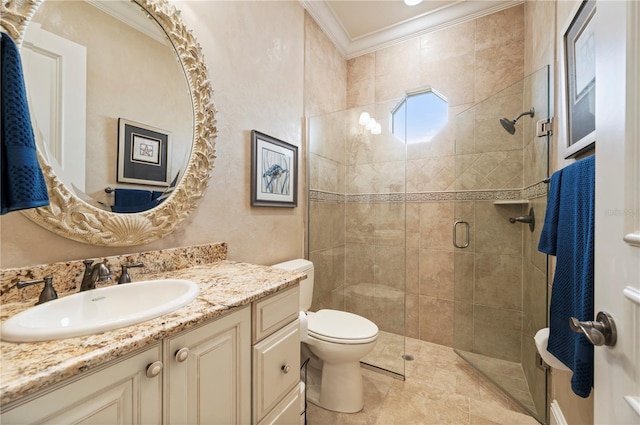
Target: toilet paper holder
(601, 331)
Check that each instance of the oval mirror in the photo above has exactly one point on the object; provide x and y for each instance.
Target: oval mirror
(149, 129)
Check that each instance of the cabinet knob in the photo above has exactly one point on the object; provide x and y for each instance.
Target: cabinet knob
(154, 369)
(182, 354)
(285, 368)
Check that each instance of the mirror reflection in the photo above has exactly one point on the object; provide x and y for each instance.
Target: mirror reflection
(89, 65)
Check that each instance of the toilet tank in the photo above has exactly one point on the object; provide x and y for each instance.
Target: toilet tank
(306, 286)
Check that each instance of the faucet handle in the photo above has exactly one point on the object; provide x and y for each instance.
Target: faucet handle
(124, 275)
(48, 292)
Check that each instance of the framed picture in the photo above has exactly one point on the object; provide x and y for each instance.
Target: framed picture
(274, 172)
(579, 44)
(143, 154)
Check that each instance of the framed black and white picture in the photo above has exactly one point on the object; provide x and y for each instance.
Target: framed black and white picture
(143, 154)
(274, 172)
(580, 54)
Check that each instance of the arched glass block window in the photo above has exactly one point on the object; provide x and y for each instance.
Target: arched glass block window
(419, 116)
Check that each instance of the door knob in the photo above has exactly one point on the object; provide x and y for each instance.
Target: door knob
(182, 354)
(154, 369)
(601, 331)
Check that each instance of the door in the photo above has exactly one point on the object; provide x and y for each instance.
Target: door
(617, 225)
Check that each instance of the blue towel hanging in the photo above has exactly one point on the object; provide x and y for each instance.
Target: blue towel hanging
(568, 233)
(23, 185)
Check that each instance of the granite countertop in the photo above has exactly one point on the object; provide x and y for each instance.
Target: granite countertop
(28, 367)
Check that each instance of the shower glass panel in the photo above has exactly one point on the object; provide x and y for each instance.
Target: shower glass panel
(500, 277)
(357, 224)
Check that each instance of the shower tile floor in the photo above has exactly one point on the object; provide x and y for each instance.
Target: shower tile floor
(440, 388)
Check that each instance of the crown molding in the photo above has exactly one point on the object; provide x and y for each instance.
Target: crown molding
(453, 14)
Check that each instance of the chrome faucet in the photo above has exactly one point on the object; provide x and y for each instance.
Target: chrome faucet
(99, 272)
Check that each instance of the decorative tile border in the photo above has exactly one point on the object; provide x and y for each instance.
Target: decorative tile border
(464, 195)
(537, 190)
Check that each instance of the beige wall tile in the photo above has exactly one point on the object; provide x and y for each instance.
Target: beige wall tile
(389, 267)
(453, 77)
(498, 67)
(430, 174)
(436, 219)
(463, 276)
(361, 69)
(360, 260)
(390, 224)
(539, 25)
(360, 223)
(496, 332)
(327, 136)
(534, 306)
(397, 70)
(463, 326)
(412, 316)
(494, 232)
(436, 274)
(325, 174)
(436, 320)
(500, 28)
(449, 42)
(498, 281)
(328, 229)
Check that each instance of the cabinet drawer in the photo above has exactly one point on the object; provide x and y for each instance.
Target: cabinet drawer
(287, 412)
(272, 313)
(276, 368)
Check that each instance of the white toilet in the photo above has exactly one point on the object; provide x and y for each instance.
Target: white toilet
(339, 340)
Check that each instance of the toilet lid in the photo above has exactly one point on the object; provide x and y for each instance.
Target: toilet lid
(341, 327)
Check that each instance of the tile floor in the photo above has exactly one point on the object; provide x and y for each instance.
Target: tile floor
(440, 388)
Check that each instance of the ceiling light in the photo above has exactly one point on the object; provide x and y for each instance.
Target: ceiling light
(412, 2)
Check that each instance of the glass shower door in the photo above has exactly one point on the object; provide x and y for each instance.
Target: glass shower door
(500, 279)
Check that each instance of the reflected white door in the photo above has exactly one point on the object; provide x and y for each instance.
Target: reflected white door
(617, 225)
(56, 80)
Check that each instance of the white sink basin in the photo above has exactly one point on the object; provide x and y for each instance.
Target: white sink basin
(99, 310)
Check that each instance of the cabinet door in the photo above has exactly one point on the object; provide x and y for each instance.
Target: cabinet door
(208, 373)
(276, 368)
(118, 394)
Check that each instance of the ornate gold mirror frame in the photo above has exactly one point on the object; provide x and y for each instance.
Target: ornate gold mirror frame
(70, 217)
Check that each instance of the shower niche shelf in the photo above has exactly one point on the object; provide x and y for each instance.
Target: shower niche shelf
(511, 202)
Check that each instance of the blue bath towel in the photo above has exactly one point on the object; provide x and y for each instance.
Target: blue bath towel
(22, 182)
(568, 233)
(133, 200)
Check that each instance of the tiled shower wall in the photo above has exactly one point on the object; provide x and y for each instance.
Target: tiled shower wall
(365, 188)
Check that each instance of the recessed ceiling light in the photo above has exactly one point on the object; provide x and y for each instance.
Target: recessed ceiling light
(412, 2)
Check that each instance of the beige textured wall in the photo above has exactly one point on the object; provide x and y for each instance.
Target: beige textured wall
(256, 67)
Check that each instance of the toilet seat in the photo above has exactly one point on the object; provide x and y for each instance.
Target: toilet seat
(341, 327)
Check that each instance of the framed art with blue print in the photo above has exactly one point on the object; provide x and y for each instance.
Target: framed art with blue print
(274, 172)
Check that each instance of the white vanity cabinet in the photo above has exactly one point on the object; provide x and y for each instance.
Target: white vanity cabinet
(276, 359)
(208, 372)
(202, 375)
(126, 391)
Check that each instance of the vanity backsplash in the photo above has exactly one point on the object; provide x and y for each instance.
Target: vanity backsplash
(67, 275)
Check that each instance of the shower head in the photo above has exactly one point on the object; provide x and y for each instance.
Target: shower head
(510, 125)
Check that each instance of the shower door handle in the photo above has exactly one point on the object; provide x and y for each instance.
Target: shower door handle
(455, 233)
